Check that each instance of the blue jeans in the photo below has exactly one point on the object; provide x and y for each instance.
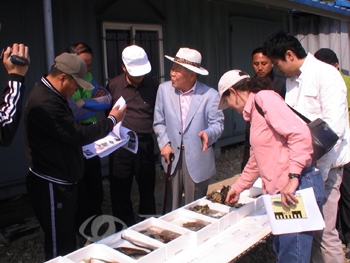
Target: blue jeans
(296, 247)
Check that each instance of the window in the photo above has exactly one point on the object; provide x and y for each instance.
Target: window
(117, 36)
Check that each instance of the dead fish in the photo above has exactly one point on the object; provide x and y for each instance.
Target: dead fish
(194, 226)
(132, 252)
(202, 209)
(220, 197)
(205, 210)
(159, 234)
(138, 243)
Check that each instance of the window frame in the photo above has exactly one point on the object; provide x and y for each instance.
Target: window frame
(133, 28)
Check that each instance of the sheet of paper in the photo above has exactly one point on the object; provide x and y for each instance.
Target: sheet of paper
(305, 216)
(132, 140)
(118, 137)
(121, 102)
(104, 146)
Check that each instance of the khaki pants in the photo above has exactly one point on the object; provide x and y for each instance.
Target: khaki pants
(181, 182)
(327, 246)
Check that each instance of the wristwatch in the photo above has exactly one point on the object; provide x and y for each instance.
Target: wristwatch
(291, 176)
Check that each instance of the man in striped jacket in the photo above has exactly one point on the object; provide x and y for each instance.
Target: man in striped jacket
(11, 105)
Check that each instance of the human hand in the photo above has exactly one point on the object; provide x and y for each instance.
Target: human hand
(80, 103)
(118, 112)
(99, 93)
(232, 196)
(287, 193)
(19, 50)
(168, 153)
(204, 138)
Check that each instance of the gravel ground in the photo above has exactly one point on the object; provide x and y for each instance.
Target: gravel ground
(228, 161)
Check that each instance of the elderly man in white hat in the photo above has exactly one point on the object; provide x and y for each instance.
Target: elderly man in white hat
(187, 123)
(139, 90)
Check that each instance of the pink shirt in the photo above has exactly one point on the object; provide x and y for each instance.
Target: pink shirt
(280, 143)
(185, 101)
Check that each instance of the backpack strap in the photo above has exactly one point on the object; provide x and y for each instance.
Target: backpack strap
(259, 109)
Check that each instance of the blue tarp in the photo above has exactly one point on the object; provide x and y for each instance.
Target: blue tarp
(340, 7)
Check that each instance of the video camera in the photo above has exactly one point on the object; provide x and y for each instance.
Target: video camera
(15, 59)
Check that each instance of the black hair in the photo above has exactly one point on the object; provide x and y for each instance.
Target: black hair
(80, 48)
(258, 50)
(276, 46)
(257, 84)
(54, 71)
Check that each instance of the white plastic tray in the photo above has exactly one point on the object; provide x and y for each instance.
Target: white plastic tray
(224, 214)
(181, 216)
(157, 255)
(98, 251)
(173, 247)
(253, 192)
(59, 260)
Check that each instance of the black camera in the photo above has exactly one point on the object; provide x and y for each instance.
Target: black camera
(15, 59)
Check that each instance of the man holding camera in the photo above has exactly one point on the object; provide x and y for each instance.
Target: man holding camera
(11, 105)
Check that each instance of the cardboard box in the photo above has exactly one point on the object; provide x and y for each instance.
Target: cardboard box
(182, 216)
(98, 251)
(116, 240)
(173, 247)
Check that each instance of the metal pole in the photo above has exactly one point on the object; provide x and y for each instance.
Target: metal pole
(48, 34)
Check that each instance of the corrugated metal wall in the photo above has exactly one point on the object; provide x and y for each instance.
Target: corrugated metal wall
(21, 21)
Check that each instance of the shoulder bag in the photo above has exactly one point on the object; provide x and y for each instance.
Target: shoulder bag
(323, 137)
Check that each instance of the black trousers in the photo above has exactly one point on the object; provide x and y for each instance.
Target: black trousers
(55, 207)
(344, 204)
(90, 193)
(124, 165)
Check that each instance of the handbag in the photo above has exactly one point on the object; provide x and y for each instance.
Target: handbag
(323, 137)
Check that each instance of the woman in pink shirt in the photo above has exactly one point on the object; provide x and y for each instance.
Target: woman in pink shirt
(280, 153)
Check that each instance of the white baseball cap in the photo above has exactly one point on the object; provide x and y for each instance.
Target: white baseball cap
(136, 61)
(227, 80)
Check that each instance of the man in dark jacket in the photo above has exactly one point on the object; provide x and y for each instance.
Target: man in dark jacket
(263, 68)
(54, 141)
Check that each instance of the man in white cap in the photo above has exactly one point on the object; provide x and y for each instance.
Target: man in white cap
(187, 123)
(139, 91)
(54, 140)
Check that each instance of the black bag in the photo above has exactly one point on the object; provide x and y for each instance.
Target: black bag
(323, 137)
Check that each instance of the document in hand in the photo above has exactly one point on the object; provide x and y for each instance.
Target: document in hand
(304, 216)
(118, 137)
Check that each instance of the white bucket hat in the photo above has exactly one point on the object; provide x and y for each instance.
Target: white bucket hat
(136, 61)
(227, 80)
(190, 59)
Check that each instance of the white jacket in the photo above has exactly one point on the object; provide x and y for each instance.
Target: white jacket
(320, 92)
